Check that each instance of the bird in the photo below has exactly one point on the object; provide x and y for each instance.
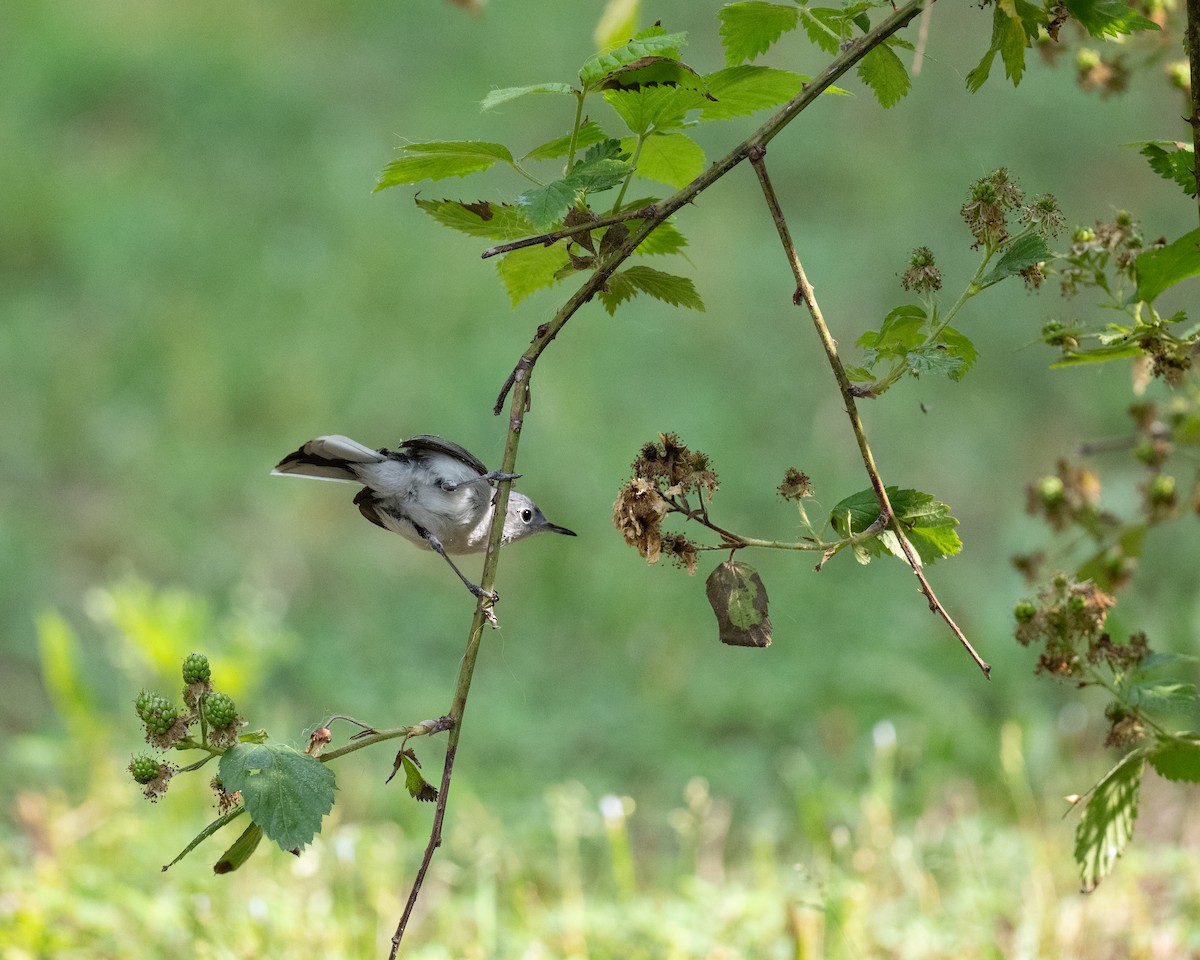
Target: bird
(429, 490)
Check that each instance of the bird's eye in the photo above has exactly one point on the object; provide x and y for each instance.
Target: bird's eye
(526, 515)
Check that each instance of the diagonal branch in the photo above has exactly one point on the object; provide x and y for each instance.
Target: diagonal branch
(804, 295)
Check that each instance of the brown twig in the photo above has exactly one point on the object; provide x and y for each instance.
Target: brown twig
(1192, 43)
(546, 239)
(804, 295)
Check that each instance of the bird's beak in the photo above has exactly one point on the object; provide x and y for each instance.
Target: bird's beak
(555, 528)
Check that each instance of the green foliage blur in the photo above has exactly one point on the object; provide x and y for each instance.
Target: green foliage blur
(195, 278)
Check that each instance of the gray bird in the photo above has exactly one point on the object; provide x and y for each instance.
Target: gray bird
(430, 491)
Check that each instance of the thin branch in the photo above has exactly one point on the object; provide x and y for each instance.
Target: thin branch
(547, 239)
(804, 295)
(666, 208)
(1192, 43)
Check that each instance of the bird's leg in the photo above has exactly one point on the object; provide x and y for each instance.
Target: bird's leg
(450, 485)
(477, 591)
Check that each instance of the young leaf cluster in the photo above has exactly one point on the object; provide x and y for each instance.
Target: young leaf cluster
(918, 339)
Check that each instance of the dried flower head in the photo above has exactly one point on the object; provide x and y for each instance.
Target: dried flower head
(921, 275)
(796, 485)
(638, 513)
(986, 213)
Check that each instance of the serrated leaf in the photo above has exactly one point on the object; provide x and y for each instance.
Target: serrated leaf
(596, 68)
(927, 523)
(882, 71)
(1019, 254)
(749, 29)
(546, 205)
(1171, 695)
(664, 239)
(902, 330)
(529, 269)
(286, 792)
(1176, 759)
(600, 169)
(496, 97)
(1176, 164)
(1159, 270)
(437, 160)
(491, 221)
(661, 108)
(740, 91)
(667, 287)
(589, 133)
(1107, 822)
(672, 158)
(959, 345)
(739, 601)
(1108, 18)
(934, 359)
(826, 27)
(204, 834)
(1015, 26)
(240, 850)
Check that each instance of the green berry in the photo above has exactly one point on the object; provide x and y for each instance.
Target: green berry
(1024, 611)
(142, 704)
(220, 710)
(144, 768)
(158, 713)
(196, 669)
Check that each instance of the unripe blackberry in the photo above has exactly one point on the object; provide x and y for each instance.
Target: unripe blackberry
(142, 704)
(159, 715)
(196, 668)
(1024, 611)
(144, 768)
(220, 710)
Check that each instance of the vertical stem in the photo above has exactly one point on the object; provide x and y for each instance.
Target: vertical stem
(1191, 41)
(804, 295)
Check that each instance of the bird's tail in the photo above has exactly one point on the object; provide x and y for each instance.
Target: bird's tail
(328, 458)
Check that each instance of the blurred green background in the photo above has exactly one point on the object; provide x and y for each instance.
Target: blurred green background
(196, 278)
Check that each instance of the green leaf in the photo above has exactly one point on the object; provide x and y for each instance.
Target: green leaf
(414, 782)
(240, 850)
(618, 21)
(1176, 759)
(600, 169)
(491, 221)
(1015, 27)
(882, 71)
(927, 523)
(546, 205)
(748, 29)
(437, 160)
(934, 359)
(673, 159)
(1176, 164)
(497, 97)
(1158, 270)
(597, 68)
(740, 91)
(826, 27)
(1108, 18)
(661, 108)
(664, 239)
(1020, 254)
(530, 269)
(739, 602)
(286, 792)
(903, 329)
(1107, 822)
(589, 133)
(667, 287)
(958, 345)
(1168, 695)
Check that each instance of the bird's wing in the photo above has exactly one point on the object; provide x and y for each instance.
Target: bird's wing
(448, 447)
(328, 458)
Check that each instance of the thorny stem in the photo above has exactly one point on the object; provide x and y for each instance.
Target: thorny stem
(804, 295)
(1192, 43)
(483, 613)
